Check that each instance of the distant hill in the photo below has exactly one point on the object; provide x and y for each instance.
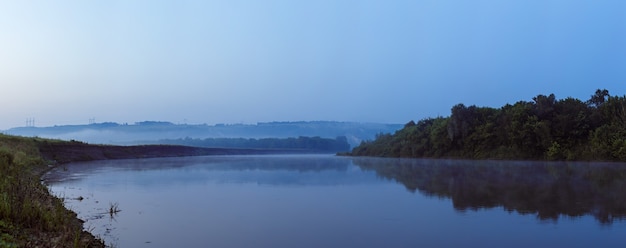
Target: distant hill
(150, 131)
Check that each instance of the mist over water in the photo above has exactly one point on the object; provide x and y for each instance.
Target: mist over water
(328, 201)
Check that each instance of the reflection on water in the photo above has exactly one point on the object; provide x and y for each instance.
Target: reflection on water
(279, 169)
(548, 189)
(264, 162)
(327, 201)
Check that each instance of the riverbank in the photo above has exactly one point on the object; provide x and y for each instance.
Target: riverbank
(65, 152)
(30, 216)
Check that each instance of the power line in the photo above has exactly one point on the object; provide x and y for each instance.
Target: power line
(30, 122)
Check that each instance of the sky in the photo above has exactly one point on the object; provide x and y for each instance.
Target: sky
(66, 62)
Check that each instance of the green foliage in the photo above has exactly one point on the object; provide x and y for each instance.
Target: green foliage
(546, 128)
(6, 240)
(555, 152)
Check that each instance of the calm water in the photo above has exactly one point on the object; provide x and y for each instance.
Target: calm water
(327, 201)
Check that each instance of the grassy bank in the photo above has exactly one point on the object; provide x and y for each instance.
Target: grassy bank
(30, 216)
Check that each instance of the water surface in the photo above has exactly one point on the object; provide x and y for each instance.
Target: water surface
(328, 201)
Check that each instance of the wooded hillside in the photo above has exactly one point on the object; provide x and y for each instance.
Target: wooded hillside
(544, 128)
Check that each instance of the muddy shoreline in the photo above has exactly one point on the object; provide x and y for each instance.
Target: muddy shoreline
(62, 153)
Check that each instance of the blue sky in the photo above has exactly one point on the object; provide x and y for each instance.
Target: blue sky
(64, 62)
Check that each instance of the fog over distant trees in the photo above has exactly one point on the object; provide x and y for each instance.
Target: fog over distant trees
(149, 132)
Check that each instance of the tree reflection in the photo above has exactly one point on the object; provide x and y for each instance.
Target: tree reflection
(547, 189)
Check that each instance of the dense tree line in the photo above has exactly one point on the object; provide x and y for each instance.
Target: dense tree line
(545, 128)
(312, 144)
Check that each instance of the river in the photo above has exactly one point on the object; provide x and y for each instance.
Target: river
(330, 201)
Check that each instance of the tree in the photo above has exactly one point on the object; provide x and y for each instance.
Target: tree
(599, 98)
(544, 106)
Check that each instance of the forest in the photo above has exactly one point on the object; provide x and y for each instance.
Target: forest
(542, 129)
